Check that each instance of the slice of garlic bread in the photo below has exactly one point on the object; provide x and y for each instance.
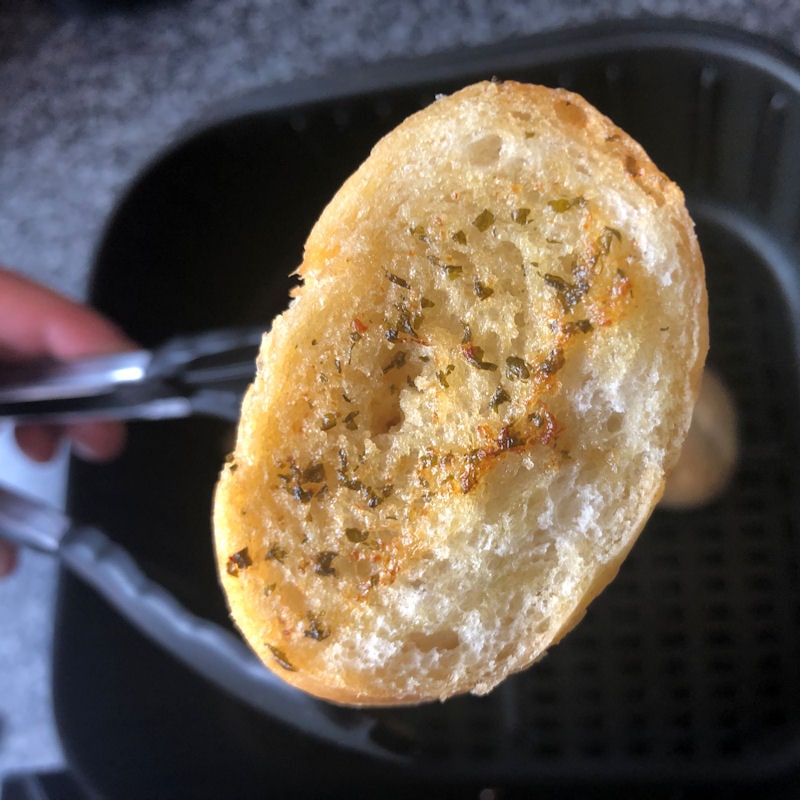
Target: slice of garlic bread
(464, 419)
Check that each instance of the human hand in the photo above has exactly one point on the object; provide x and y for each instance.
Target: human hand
(37, 322)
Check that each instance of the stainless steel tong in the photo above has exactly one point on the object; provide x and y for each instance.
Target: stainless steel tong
(205, 647)
(198, 374)
(204, 373)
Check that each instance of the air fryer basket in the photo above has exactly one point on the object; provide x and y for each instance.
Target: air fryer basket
(684, 672)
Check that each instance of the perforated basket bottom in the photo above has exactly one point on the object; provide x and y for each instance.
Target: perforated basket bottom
(690, 658)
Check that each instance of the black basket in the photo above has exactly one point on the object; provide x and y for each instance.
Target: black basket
(684, 673)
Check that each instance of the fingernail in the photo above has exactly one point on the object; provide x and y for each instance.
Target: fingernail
(38, 442)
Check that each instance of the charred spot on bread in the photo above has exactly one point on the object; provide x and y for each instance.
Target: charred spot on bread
(461, 423)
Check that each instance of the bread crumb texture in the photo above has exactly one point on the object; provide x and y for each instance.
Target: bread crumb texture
(463, 420)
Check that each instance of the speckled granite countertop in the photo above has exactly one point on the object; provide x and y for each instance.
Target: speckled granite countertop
(87, 97)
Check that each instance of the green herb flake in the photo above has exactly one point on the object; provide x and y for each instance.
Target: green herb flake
(327, 421)
(301, 494)
(606, 239)
(355, 535)
(569, 294)
(314, 473)
(323, 563)
(269, 589)
(481, 290)
(452, 271)
(520, 215)
(397, 280)
(578, 326)
(508, 439)
(460, 237)
(499, 397)
(418, 231)
(426, 303)
(281, 658)
(397, 361)
(561, 205)
(517, 369)
(317, 629)
(350, 421)
(484, 220)
(474, 355)
(275, 553)
(553, 363)
(348, 482)
(441, 375)
(405, 322)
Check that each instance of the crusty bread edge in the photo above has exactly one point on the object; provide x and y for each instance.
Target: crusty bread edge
(650, 491)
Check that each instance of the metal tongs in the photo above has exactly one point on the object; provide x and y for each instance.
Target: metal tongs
(205, 373)
(207, 648)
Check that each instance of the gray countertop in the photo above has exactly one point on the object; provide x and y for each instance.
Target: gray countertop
(87, 98)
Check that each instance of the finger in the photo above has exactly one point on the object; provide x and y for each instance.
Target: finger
(97, 441)
(38, 442)
(8, 558)
(36, 321)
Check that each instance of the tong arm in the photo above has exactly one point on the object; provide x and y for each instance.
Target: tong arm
(204, 373)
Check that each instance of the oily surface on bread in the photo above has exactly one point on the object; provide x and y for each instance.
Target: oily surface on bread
(463, 420)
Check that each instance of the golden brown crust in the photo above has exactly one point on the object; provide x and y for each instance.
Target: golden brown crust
(463, 421)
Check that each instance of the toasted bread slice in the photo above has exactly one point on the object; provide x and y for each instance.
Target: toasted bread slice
(464, 419)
